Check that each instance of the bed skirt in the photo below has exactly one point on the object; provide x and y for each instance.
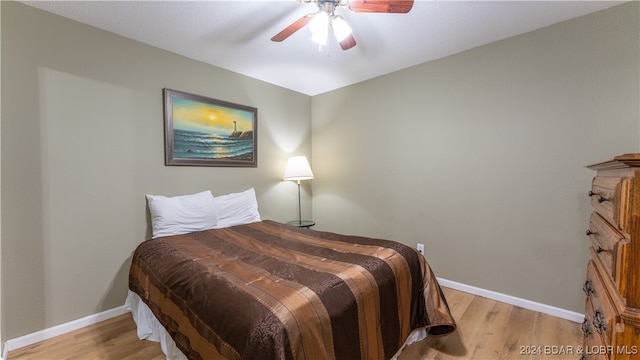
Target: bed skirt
(149, 328)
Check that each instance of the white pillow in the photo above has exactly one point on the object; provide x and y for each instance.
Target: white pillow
(237, 208)
(181, 214)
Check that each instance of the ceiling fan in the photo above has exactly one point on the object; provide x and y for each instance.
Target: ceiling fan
(325, 18)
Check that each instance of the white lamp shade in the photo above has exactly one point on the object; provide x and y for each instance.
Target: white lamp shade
(298, 169)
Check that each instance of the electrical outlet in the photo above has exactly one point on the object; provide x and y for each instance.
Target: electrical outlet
(420, 248)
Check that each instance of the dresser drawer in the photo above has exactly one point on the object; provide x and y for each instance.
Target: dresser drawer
(604, 316)
(606, 198)
(609, 246)
(593, 343)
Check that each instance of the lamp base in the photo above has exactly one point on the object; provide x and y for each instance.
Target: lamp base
(302, 223)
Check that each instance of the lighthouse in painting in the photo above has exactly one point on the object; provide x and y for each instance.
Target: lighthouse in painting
(239, 134)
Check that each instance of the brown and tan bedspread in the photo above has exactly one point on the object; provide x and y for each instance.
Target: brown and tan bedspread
(271, 291)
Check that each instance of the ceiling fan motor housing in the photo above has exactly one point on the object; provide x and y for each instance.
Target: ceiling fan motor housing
(328, 6)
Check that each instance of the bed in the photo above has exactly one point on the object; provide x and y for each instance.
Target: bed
(266, 290)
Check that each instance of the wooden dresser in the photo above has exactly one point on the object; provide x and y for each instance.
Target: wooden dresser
(612, 308)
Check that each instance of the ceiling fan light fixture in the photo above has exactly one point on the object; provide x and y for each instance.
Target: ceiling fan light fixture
(341, 29)
(319, 27)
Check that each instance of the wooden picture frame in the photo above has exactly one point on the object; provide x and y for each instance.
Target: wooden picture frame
(200, 131)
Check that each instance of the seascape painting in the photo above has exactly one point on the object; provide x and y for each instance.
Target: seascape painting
(201, 131)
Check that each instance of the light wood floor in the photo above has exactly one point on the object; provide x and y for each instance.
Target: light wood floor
(487, 329)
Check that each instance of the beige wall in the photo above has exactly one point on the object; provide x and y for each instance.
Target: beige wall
(82, 143)
(480, 155)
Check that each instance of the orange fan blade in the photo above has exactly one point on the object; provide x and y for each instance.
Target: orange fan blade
(381, 6)
(348, 42)
(297, 25)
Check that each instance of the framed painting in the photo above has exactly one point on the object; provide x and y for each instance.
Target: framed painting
(200, 131)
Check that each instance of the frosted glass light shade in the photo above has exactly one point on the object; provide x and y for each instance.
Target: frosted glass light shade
(298, 169)
(340, 28)
(319, 27)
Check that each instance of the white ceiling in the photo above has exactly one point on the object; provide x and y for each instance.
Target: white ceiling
(235, 35)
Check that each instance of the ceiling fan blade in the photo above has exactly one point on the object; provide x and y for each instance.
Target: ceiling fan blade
(381, 6)
(295, 26)
(348, 42)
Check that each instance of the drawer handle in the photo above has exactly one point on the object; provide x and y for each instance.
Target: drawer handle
(586, 327)
(601, 199)
(599, 322)
(588, 288)
(589, 232)
(599, 250)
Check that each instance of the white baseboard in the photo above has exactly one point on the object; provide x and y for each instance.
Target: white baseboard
(512, 300)
(29, 339)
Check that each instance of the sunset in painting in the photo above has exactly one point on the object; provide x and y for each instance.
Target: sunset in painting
(208, 118)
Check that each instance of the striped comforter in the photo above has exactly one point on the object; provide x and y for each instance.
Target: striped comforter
(271, 291)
